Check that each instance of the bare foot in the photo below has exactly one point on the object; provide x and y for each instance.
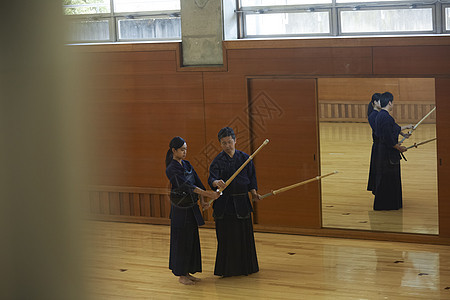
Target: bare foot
(193, 278)
(186, 280)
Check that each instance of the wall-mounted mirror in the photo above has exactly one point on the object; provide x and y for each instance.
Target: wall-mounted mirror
(345, 145)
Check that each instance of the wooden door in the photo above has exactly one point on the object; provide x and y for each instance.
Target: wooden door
(284, 110)
(443, 154)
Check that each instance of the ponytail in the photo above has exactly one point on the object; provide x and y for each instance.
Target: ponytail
(375, 97)
(169, 156)
(175, 143)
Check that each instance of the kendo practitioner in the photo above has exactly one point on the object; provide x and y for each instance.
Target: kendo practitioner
(236, 251)
(185, 215)
(388, 190)
(372, 111)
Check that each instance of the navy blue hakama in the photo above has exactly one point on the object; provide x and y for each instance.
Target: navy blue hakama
(185, 254)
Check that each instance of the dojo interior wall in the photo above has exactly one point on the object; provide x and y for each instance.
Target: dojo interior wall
(141, 97)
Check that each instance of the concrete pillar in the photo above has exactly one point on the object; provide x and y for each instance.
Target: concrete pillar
(202, 33)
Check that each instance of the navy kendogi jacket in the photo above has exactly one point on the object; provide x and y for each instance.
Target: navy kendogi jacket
(234, 199)
(184, 180)
(387, 132)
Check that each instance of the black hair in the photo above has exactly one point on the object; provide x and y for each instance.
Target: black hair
(375, 97)
(226, 131)
(176, 143)
(386, 97)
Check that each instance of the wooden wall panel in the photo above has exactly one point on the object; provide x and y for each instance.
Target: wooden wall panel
(145, 205)
(416, 90)
(327, 42)
(135, 204)
(285, 110)
(443, 146)
(130, 141)
(224, 88)
(125, 205)
(234, 115)
(334, 111)
(309, 61)
(140, 102)
(155, 205)
(165, 206)
(94, 198)
(412, 60)
(131, 63)
(104, 202)
(114, 203)
(350, 90)
(150, 87)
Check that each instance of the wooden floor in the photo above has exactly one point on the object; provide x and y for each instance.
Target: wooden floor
(130, 261)
(345, 201)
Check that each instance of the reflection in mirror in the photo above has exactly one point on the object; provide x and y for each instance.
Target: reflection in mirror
(345, 145)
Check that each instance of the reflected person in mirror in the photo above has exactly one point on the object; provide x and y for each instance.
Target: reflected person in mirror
(388, 188)
(372, 111)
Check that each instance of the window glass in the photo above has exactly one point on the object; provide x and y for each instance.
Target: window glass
(149, 28)
(89, 30)
(364, 1)
(81, 7)
(447, 18)
(387, 20)
(283, 23)
(280, 2)
(145, 5)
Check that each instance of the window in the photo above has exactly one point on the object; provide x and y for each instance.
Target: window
(148, 28)
(122, 20)
(288, 24)
(145, 5)
(79, 7)
(278, 18)
(89, 30)
(387, 20)
(447, 18)
(281, 2)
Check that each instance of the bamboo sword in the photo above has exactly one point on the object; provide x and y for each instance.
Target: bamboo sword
(421, 143)
(417, 125)
(286, 188)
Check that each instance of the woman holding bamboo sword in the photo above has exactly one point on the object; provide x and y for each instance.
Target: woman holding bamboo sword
(185, 216)
(236, 251)
(372, 111)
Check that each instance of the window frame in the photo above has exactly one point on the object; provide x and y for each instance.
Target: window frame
(113, 21)
(376, 8)
(157, 15)
(334, 8)
(93, 17)
(444, 6)
(302, 10)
